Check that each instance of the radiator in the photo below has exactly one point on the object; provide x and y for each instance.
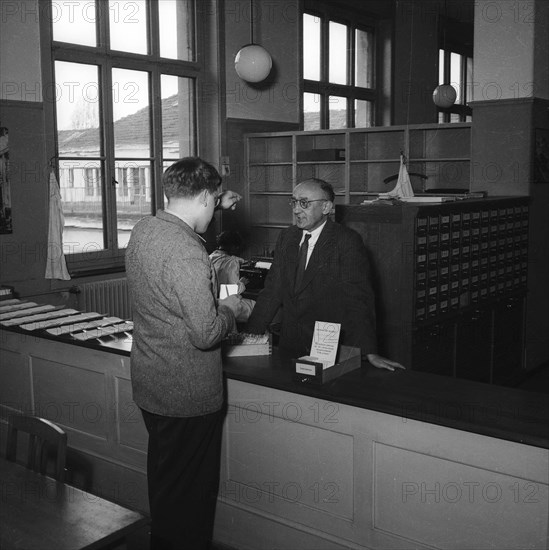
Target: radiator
(107, 297)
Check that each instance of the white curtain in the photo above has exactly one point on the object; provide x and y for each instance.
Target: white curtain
(56, 267)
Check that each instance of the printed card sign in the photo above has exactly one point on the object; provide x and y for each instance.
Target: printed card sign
(325, 343)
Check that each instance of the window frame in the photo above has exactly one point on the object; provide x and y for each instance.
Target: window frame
(111, 258)
(460, 107)
(455, 38)
(323, 87)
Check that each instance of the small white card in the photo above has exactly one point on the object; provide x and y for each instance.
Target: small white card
(325, 343)
(304, 368)
(227, 290)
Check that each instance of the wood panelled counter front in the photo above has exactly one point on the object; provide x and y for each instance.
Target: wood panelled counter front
(371, 460)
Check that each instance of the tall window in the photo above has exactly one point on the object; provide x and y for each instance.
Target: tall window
(124, 76)
(457, 70)
(338, 73)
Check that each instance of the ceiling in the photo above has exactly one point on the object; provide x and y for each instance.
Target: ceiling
(459, 10)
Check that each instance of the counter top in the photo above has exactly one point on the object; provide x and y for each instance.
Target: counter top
(495, 411)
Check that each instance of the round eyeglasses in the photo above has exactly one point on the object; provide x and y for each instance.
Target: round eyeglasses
(304, 203)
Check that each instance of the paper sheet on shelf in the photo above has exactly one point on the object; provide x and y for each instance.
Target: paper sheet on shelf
(403, 187)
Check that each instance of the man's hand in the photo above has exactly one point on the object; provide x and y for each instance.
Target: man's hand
(228, 200)
(383, 363)
(234, 303)
(242, 282)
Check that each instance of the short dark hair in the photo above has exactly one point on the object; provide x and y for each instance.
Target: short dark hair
(188, 177)
(326, 187)
(229, 241)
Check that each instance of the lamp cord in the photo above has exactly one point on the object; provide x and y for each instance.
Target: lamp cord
(410, 68)
(251, 21)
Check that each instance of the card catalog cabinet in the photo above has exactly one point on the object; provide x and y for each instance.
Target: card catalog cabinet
(450, 280)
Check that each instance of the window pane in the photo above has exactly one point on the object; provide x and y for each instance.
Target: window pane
(311, 47)
(77, 108)
(311, 111)
(455, 74)
(469, 81)
(80, 183)
(363, 114)
(363, 59)
(338, 112)
(132, 117)
(177, 29)
(128, 25)
(133, 196)
(441, 67)
(178, 117)
(74, 21)
(338, 53)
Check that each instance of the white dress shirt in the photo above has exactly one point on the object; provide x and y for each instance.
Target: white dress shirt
(315, 233)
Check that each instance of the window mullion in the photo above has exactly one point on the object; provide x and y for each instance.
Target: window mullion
(106, 87)
(156, 145)
(350, 56)
(153, 30)
(103, 24)
(351, 75)
(324, 70)
(109, 185)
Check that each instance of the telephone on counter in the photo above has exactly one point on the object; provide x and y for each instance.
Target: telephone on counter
(255, 270)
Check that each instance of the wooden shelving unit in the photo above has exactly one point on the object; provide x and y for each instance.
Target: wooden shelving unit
(355, 161)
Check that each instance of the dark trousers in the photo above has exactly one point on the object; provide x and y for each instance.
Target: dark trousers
(183, 464)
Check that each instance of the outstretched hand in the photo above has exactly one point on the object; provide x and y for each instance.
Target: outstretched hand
(383, 363)
(228, 199)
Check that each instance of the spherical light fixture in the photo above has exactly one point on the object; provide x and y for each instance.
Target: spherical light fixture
(253, 63)
(444, 96)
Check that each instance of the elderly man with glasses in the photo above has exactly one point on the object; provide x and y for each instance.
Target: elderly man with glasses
(320, 272)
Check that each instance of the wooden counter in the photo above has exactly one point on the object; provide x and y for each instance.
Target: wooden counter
(376, 459)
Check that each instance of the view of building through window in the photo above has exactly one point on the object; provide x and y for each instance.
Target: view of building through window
(111, 149)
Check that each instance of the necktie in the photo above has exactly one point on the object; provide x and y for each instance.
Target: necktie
(301, 261)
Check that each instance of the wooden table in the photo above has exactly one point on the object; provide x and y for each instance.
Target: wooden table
(39, 513)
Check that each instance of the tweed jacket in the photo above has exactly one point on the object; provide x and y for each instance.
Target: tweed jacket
(336, 288)
(175, 359)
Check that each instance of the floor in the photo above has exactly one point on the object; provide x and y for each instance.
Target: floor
(140, 541)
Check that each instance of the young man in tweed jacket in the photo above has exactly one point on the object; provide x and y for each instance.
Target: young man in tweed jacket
(175, 362)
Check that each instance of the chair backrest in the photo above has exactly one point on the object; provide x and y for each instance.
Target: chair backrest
(43, 435)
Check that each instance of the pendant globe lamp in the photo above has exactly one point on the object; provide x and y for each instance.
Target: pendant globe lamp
(444, 96)
(253, 62)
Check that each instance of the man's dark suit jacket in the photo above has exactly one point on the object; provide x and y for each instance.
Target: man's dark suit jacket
(336, 288)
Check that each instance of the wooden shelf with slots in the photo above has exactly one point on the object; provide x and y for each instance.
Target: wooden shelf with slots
(357, 162)
(442, 155)
(374, 156)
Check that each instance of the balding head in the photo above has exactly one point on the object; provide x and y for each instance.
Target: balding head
(318, 195)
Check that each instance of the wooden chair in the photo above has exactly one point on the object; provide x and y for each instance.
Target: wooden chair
(43, 435)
